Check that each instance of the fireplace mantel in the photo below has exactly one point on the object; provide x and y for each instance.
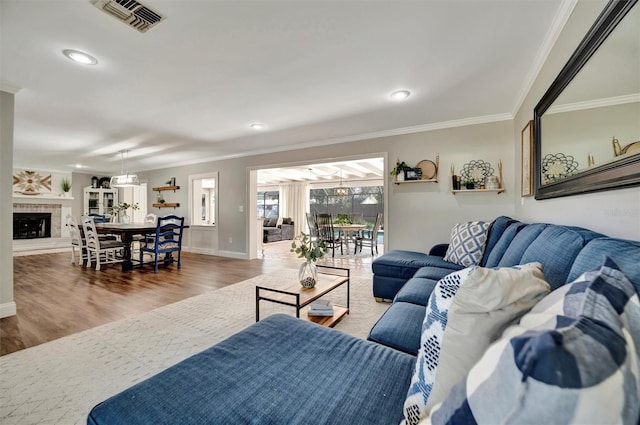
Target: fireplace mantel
(41, 199)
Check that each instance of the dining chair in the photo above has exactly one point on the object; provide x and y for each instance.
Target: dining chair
(326, 233)
(370, 237)
(313, 226)
(104, 251)
(98, 218)
(166, 240)
(77, 241)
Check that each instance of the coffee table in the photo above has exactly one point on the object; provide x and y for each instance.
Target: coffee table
(294, 295)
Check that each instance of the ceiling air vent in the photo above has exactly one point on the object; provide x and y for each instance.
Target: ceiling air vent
(131, 12)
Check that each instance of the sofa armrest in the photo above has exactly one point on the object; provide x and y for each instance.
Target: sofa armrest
(439, 250)
(287, 231)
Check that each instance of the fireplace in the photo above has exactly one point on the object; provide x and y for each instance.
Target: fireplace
(30, 225)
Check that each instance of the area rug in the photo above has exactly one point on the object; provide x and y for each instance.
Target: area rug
(60, 381)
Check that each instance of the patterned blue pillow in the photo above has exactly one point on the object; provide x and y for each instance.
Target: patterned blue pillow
(467, 243)
(568, 361)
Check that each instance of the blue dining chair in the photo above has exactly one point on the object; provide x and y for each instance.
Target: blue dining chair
(166, 240)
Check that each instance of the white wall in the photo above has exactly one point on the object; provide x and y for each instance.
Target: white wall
(615, 213)
(7, 305)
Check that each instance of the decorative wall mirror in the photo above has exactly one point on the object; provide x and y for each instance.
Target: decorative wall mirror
(587, 124)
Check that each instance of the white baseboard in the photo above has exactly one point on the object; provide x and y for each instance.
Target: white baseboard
(234, 254)
(7, 309)
(204, 251)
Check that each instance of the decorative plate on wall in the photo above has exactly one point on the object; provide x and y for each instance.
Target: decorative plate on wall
(558, 166)
(31, 183)
(429, 169)
(476, 170)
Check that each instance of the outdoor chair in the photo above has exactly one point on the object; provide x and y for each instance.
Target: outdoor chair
(166, 240)
(370, 237)
(77, 241)
(326, 232)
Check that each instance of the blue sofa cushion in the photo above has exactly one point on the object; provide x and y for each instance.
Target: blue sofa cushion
(557, 247)
(513, 252)
(498, 227)
(625, 253)
(436, 273)
(400, 327)
(416, 291)
(403, 264)
(492, 258)
(271, 373)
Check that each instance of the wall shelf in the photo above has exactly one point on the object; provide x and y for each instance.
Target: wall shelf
(166, 205)
(161, 188)
(496, 191)
(415, 181)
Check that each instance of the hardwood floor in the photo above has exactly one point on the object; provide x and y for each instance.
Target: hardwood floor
(55, 298)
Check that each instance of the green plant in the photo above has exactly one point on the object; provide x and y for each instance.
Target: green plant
(65, 184)
(124, 206)
(400, 167)
(343, 219)
(469, 183)
(311, 250)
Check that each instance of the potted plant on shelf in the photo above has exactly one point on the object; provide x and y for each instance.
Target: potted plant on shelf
(311, 251)
(469, 184)
(398, 170)
(65, 184)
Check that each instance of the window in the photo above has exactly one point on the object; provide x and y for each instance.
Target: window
(367, 201)
(268, 204)
(203, 194)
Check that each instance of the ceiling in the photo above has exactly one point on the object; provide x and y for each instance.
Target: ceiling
(313, 72)
(352, 172)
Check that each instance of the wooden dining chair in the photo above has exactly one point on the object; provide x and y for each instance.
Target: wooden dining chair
(326, 232)
(370, 237)
(166, 240)
(77, 241)
(313, 226)
(104, 251)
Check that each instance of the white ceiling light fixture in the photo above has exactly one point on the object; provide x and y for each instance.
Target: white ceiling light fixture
(400, 94)
(257, 126)
(80, 57)
(124, 179)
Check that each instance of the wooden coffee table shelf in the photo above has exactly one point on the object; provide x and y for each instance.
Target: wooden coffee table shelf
(294, 295)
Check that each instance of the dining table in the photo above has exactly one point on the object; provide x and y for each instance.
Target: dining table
(349, 231)
(127, 232)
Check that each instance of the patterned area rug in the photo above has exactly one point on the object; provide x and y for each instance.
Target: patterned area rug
(60, 381)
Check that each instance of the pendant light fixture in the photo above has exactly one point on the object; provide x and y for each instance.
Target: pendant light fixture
(124, 179)
(341, 190)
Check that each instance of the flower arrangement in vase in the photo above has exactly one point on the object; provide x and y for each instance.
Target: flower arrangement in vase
(311, 250)
(123, 207)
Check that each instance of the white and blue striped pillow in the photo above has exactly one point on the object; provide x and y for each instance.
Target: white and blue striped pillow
(573, 359)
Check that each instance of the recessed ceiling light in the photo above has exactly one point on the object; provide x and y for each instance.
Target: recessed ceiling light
(80, 57)
(400, 94)
(257, 126)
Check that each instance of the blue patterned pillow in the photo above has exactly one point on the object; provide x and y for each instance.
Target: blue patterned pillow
(573, 359)
(466, 312)
(467, 243)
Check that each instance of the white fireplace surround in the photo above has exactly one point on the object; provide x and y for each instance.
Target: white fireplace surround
(58, 206)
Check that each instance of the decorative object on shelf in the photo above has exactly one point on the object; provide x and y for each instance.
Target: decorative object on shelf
(526, 140)
(630, 148)
(469, 184)
(558, 166)
(95, 182)
(124, 179)
(160, 198)
(104, 183)
(65, 184)
(429, 168)
(31, 183)
(476, 170)
(398, 170)
(493, 183)
(591, 160)
(413, 173)
(310, 250)
(123, 207)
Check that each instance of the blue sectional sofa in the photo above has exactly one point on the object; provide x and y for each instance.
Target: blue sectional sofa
(287, 371)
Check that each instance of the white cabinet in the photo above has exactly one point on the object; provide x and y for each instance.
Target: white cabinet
(99, 201)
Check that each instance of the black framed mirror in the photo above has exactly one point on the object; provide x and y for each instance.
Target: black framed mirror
(593, 105)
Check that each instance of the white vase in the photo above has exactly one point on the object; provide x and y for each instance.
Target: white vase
(124, 219)
(308, 274)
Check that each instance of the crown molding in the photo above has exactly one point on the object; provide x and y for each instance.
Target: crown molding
(597, 103)
(558, 23)
(9, 88)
